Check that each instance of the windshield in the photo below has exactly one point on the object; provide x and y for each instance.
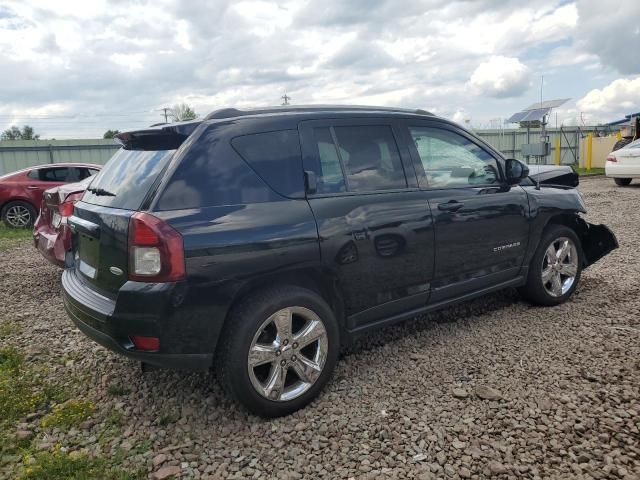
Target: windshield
(126, 178)
(634, 144)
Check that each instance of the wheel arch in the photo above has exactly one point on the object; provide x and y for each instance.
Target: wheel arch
(596, 240)
(18, 199)
(318, 280)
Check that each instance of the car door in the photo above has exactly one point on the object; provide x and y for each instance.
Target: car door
(41, 179)
(481, 224)
(375, 228)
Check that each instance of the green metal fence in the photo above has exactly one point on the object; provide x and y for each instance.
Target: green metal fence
(16, 155)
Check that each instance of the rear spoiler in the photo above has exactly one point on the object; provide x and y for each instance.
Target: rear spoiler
(161, 137)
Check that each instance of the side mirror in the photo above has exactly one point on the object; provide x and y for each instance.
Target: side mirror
(515, 171)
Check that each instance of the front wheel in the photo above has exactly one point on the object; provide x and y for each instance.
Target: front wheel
(622, 182)
(278, 350)
(556, 266)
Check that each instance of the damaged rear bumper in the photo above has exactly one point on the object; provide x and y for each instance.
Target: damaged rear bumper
(597, 241)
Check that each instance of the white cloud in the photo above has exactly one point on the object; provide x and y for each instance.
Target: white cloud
(500, 77)
(611, 31)
(617, 99)
(124, 60)
(133, 61)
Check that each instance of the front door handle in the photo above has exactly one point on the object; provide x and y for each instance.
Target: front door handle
(32, 187)
(450, 206)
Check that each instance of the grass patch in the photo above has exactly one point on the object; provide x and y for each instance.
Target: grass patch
(115, 419)
(117, 390)
(167, 418)
(8, 328)
(57, 466)
(583, 172)
(19, 392)
(69, 414)
(13, 236)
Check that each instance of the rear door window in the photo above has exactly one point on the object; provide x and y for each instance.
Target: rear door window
(127, 178)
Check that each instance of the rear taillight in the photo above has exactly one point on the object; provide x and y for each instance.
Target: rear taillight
(156, 250)
(612, 158)
(66, 209)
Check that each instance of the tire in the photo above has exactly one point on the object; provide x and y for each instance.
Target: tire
(567, 271)
(251, 326)
(622, 182)
(18, 214)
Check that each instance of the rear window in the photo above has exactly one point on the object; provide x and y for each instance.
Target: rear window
(126, 178)
(275, 156)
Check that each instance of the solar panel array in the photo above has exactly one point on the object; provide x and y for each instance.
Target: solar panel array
(535, 113)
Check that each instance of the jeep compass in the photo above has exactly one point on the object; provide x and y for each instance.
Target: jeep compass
(258, 242)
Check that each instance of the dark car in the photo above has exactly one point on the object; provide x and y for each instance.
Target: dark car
(259, 242)
(21, 192)
(51, 233)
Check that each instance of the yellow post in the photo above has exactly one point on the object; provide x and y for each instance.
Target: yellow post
(619, 135)
(557, 150)
(589, 150)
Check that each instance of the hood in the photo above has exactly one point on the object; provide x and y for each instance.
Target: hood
(563, 175)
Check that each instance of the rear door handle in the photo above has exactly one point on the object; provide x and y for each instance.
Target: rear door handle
(32, 187)
(450, 206)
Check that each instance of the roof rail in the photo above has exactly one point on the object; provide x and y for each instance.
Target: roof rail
(235, 112)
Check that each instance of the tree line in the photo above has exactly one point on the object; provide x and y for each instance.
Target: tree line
(178, 113)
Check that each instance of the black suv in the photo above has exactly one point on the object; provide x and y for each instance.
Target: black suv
(261, 241)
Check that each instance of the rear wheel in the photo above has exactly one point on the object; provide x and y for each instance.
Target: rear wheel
(622, 182)
(556, 266)
(18, 214)
(278, 350)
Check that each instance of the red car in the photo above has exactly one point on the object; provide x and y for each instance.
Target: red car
(21, 192)
(51, 234)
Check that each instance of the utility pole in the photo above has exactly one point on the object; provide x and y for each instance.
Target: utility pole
(286, 99)
(166, 115)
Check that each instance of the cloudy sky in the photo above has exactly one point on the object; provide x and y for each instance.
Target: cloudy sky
(74, 69)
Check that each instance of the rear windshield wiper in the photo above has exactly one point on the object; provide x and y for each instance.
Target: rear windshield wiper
(101, 191)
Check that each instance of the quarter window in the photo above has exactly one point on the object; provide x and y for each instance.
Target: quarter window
(358, 159)
(451, 160)
(275, 156)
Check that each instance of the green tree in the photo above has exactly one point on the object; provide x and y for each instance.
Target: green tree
(181, 112)
(14, 133)
(111, 133)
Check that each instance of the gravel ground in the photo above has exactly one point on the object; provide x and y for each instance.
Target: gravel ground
(493, 387)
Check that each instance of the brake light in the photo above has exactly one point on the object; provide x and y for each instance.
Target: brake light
(612, 158)
(156, 250)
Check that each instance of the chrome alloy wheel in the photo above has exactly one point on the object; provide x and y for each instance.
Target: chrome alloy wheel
(18, 216)
(287, 354)
(559, 266)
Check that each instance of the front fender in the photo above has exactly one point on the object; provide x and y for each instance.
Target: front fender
(563, 206)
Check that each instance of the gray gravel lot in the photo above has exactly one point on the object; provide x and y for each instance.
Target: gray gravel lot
(563, 386)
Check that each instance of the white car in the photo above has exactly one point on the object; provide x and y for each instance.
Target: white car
(624, 164)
